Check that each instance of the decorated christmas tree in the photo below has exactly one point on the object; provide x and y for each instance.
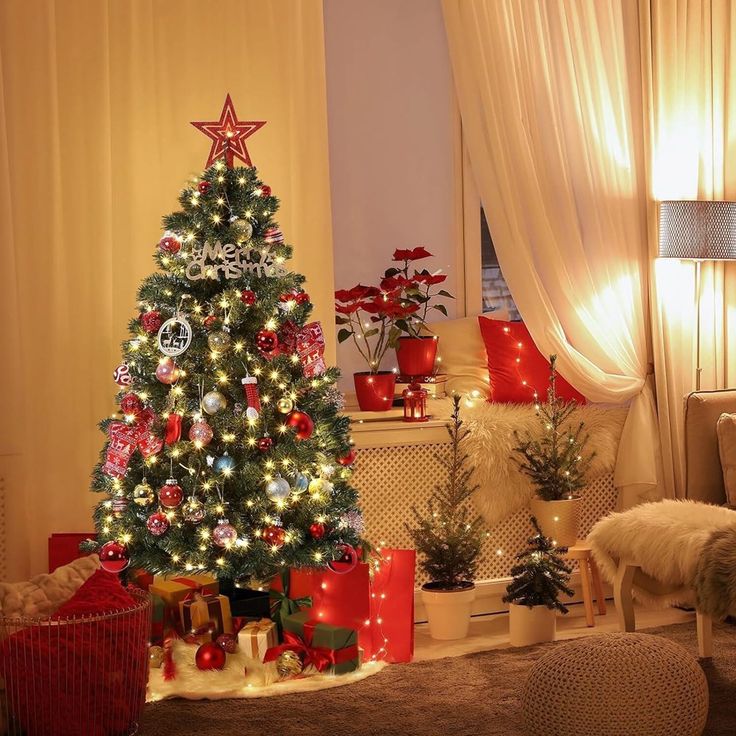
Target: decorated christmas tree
(555, 460)
(540, 574)
(229, 454)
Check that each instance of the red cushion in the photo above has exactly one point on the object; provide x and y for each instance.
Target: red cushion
(83, 679)
(518, 372)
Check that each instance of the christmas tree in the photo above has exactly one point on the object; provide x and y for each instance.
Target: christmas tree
(447, 537)
(540, 574)
(554, 461)
(230, 454)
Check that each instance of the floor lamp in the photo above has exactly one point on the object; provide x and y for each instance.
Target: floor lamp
(698, 231)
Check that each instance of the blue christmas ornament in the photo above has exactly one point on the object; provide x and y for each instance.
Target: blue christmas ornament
(224, 464)
(301, 483)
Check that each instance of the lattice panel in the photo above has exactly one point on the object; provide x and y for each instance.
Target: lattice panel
(392, 479)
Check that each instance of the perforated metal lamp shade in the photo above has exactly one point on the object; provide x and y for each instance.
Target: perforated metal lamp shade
(701, 230)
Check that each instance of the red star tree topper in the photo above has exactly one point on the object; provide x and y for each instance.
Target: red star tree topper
(228, 135)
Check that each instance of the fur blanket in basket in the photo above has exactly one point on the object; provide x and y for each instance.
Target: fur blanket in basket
(504, 489)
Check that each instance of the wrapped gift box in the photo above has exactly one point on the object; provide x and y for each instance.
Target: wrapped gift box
(208, 614)
(158, 620)
(338, 643)
(257, 637)
(140, 578)
(246, 602)
(173, 590)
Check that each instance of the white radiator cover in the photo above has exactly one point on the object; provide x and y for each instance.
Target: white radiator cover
(392, 479)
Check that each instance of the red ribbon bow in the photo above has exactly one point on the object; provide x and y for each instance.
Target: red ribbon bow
(320, 657)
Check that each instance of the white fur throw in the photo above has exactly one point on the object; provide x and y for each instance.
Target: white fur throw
(242, 677)
(665, 539)
(44, 594)
(503, 488)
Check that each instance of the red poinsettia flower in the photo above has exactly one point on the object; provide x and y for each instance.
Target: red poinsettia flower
(430, 279)
(347, 308)
(414, 254)
(396, 283)
(357, 292)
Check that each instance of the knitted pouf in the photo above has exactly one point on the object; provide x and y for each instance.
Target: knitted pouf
(616, 685)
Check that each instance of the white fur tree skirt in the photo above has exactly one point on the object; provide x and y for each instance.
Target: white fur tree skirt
(504, 489)
(243, 677)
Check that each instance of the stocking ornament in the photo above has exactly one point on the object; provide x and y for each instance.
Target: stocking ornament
(252, 397)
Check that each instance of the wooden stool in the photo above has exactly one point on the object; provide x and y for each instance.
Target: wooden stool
(590, 579)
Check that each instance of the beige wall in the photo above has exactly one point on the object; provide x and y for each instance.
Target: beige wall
(391, 137)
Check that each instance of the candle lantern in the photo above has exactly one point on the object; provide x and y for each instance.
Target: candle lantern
(415, 403)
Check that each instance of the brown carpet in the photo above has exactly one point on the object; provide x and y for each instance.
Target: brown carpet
(474, 695)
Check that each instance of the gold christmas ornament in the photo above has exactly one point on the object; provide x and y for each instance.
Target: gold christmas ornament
(289, 664)
(143, 494)
(285, 405)
(155, 656)
(320, 487)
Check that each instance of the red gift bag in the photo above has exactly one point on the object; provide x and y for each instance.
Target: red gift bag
(381, 609)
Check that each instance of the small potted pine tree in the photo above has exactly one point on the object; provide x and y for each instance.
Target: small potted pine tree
(448, 538)
(539, 576)
(555, 461)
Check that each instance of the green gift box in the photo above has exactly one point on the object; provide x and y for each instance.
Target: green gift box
(336, 644)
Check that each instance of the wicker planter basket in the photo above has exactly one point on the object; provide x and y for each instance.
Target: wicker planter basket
(80, 676)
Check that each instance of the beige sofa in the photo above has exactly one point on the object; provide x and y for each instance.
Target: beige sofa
(704, 475)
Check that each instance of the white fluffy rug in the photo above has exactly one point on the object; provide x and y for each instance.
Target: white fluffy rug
(243, 677)
(503, 488)
(665, 539)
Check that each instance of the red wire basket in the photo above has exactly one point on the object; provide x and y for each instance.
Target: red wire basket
(75, 676)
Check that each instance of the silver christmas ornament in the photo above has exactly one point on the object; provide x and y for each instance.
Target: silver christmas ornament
(213, 402)
(278, 489)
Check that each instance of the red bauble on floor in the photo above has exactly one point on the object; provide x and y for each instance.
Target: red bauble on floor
(210, 656)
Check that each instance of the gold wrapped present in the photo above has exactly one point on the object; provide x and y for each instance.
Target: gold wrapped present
(206, 613)
(174, 589)
(257, 637)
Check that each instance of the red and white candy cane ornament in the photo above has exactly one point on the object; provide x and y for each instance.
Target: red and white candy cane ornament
(252, 397)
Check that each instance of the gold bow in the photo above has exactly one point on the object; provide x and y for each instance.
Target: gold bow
(263, 625)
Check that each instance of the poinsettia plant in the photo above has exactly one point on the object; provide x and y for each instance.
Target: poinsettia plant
(415, 290)
(369, 316)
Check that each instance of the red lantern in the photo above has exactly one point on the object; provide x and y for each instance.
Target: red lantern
(415, 403)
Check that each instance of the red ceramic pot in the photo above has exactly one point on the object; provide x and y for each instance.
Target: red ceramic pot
(375, 391)
(416, 355)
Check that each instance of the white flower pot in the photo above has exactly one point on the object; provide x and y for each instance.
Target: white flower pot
(559, 520)
(531, 625)
(448, 611)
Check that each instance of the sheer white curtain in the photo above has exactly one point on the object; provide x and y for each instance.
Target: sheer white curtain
(688, 51)
(550, 98)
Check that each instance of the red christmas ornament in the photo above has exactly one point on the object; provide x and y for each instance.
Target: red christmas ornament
(169, 244)
(347, 560)
(348, 459)
(114, 557)
(228, 135)
(131, 404)
(173, 428)
(170, 494)
(301, 422)
(210, 656)
(274, 535)
(302, 297)
(265, 444)
(204, 186)
(287, 296)
(266, 341)
(228, 643)
(317, 530)
(157, 523)
(150, 321)
(248, 297)
(264, 190)
(209, 320)
(167, 371)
